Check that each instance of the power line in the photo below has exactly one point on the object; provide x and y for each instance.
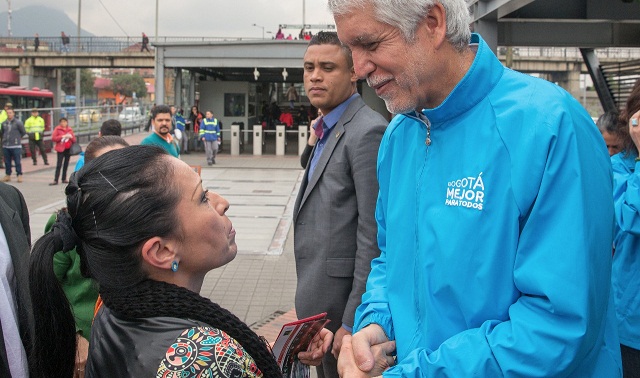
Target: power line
(113, 18)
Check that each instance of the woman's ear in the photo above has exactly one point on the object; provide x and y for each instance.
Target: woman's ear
(158, 252)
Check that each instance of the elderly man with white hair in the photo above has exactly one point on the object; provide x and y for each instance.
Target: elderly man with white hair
(494, 213)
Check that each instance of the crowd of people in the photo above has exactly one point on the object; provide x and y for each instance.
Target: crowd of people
(488, 230)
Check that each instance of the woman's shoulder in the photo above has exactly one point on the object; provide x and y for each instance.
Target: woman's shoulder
(207, 351)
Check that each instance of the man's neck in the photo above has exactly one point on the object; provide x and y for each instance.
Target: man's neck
(166, 136)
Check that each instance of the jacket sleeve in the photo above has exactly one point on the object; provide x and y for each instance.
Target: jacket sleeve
(562, 269)
(363, 167)
(22, 130)
(73, 136)
(374, 308)
(626, 196)
(56, 136)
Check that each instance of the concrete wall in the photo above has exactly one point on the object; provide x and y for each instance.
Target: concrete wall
(212, 98)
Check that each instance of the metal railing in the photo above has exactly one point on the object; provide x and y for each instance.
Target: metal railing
(90, 119)
(97, 44)
(569, 52)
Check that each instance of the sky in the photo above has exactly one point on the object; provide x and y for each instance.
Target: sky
(189, 18)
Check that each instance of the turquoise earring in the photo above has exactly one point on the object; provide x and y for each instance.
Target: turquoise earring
(174, 266)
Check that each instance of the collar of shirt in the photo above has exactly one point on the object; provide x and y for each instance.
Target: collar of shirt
(331, 119)
(168, 139)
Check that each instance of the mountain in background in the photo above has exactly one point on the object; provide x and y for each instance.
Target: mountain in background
(48, 22)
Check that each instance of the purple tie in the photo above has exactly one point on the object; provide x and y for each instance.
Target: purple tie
(318, 129)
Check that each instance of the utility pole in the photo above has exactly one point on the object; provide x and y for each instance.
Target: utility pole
(78, 75)
(9, 18)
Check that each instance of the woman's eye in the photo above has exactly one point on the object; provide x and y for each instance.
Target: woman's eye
(205, 196)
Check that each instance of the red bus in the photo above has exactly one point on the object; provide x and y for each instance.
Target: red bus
(23, 101)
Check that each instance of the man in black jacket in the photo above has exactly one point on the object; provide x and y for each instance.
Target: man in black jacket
(16, 318)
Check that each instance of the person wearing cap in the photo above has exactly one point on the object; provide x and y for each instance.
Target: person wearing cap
(34, 126)
(3, 117)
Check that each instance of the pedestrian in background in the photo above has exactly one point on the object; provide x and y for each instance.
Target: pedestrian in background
(145, 43)
(3, 117)
(12, 133)
(34, 126)
(63, 138)
(36, 43)
(65, 42)
(209, 134)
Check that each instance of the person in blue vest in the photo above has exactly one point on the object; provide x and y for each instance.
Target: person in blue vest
(161, 136)
(209, 133)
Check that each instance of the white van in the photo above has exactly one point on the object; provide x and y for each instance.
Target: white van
(131, 114)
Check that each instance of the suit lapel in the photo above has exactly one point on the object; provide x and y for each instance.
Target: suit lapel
(309, 183)
(11, 221)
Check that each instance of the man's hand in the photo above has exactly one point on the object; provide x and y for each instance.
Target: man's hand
(337, 341)
(82, 351)
(348, 367)
(362, 342)
(317, 349)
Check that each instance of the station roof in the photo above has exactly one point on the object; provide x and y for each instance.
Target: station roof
(571, 23)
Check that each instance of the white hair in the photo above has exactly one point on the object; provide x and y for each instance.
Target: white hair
(405, 15)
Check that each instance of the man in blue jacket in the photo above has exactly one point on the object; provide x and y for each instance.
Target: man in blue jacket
(494, 212)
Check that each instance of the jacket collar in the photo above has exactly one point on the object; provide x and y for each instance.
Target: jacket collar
(483, 75)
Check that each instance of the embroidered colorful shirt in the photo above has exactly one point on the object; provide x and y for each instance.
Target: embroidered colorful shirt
(207, 352)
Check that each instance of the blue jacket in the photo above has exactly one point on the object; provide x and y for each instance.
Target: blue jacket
(626, 261)
(496, 238)
(209, 129)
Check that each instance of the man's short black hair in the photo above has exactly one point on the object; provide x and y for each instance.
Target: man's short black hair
(111, 127)
(160, 109)
(331, 38)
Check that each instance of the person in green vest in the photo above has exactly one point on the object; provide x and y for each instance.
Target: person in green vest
(34, 126)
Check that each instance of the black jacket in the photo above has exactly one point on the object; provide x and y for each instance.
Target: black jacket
(137, 348)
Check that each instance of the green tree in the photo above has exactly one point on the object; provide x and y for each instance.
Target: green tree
(126, 85)
(86, 81)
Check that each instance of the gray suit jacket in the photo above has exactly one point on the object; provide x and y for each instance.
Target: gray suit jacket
(334, 223)
(14, 218)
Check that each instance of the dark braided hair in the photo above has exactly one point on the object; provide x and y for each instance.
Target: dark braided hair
(109, 204)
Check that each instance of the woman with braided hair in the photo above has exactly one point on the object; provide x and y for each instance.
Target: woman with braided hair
(147, 232)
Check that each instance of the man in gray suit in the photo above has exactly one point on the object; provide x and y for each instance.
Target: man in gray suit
(334, 224)
(16, 319)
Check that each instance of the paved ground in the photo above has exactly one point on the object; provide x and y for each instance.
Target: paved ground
(259, 285)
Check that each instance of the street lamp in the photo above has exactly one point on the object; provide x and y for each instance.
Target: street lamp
(260, 26)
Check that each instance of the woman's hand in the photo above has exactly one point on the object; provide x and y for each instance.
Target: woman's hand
(319, 346)
(82, 352)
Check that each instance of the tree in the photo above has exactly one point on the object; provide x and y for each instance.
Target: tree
(86, 81)
(126, 85)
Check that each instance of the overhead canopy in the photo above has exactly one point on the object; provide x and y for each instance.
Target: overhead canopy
(573, 23)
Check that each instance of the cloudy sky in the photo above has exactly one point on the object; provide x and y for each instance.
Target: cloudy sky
(233, 18)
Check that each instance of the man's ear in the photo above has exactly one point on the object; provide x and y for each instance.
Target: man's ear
(158, 252)
(436, 21)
